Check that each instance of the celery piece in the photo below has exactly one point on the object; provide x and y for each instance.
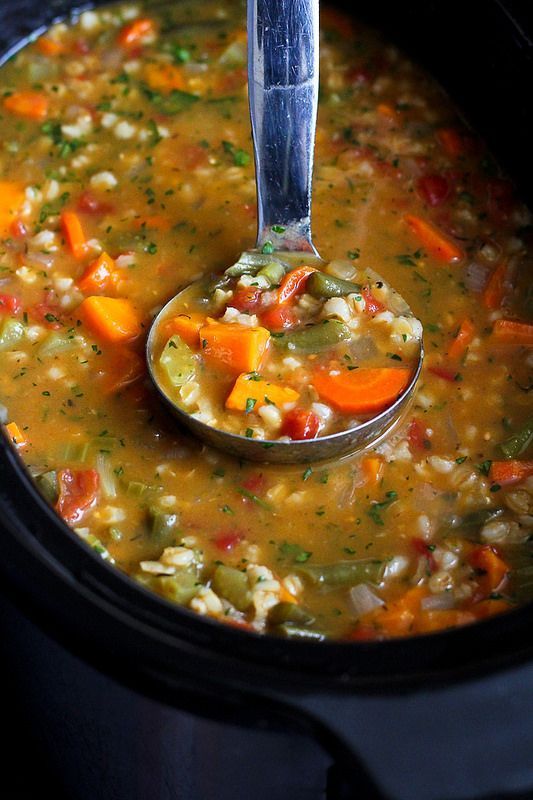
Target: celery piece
(107, 476)
(56, 342)
(74, 451)
(48, 486)
(519, 442)
(177, 361)
(344, 573)
(161, 524)
(96, 544)
(273, 272)
(232, 584)
(11, 332)
(179, 588)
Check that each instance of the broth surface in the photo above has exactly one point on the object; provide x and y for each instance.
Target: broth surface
(126, 171)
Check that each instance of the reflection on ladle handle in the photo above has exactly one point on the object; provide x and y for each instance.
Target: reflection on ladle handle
(283, 88)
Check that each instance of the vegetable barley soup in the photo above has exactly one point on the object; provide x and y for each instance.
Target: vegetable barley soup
(126, 173)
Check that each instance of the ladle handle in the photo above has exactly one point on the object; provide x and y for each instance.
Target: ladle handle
(283, 90)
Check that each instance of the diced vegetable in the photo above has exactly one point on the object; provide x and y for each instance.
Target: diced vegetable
(451, 142)
(232, 584)
(361, 391)
(107, 477)
(344, 573)
(111, 319)
(236, 346)
(290, 613)
(78, 492)
(435, 242)
(136, 33)
(322, 285)
(48, 485)
(187, 326)
(278, 318)
(273, 272)
(314, 338)
(495, 288)
(463, 338)
(161, 524)
(508, 331)
(164, 77)
(518, 443)
(73, 231)
(57, 342)
(490, 568)
(251, 392)
(178, 361)
(16, 435)
(100, 277)
(294, 282)
(505, 473)
(33, 105)
(372, 467)
(11, 199)
(125, 368)
(300, 424)
(179, 588)
(11, 332)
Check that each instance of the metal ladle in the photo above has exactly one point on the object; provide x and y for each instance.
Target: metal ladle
(283, 96)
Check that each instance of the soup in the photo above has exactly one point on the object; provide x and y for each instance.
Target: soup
(126, 172)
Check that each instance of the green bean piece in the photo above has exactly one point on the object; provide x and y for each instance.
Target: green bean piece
(179, 588)
(344, 573)
(232, 584)
(48, 486)
(289, 613)
(314, 338)
(178, 361)
(321, 285)
(241, 268)
(519, 443)
(11, 332)
(161, 524)
(273, 272)
(295, 632)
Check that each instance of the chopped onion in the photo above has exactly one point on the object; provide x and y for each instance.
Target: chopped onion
(34, 258)
(363, 599)
(107, 478)
(476, 276)
(438, 602)
(341, 268)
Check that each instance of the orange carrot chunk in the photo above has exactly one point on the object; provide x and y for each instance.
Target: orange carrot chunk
(372, 467)
(164, 77)
(16, 435)
(435, 242)
(136, 32)
(464, 336)
(508, 331)
(251, 392)
(187, 326)
(367, 390)
(495, 288)
(11, 199)
(236, 346)
(100, 276)
(491, 569)
(505, 473)
(49, 47)
(110, 319)
(33, 105)
(73, 231)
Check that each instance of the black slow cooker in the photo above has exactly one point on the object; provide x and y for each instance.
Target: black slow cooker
(110, 692)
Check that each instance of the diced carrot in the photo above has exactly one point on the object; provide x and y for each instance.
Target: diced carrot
(100, 277)
(431, 621)
(251, 392)
(490, 607)
(491, 570)
(110, 319)
(366, 390)
(463, 338)
(387, 111)
(126, 368)
(372, 467)
(508, 331)
(293, 283)
(136, 32)
(16, 435)
(49, 47)
(436, 243)
(504, 473)
(285, 596)
(187, 326)
(451, 141)
(236, 346)
(33, 105)
(12, 196)
(495, 288)
(71, 225)
(164, 77)
(398, 618)
(156, 222)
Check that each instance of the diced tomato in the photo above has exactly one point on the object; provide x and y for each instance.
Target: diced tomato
(424, 549)
(78, 491)
(300, 424)
(433, 189)
(278, 317)
(372, 306)
(227, 541)
(17, 229)
(46, 314)
(417, 436)
(88, 203)
(9, 304)
(254, 483)
(246, 299)
(294, 283)
(444, 373)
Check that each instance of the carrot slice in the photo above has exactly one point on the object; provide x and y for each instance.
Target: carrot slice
(110, 319)
(164, 77)
(504, 473)
(361, 391)
(436, 243)
(293, 283)
(16, 435)
(11, 199)
(136, 32)
(49, 47)
(100, 276)
(464, 336)
(491, 569)
(495, 288)
(508, 331)
(251, 392)
(372, 467)
(236, 346)
(33, 105)
(187, 326)
(71, 224)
